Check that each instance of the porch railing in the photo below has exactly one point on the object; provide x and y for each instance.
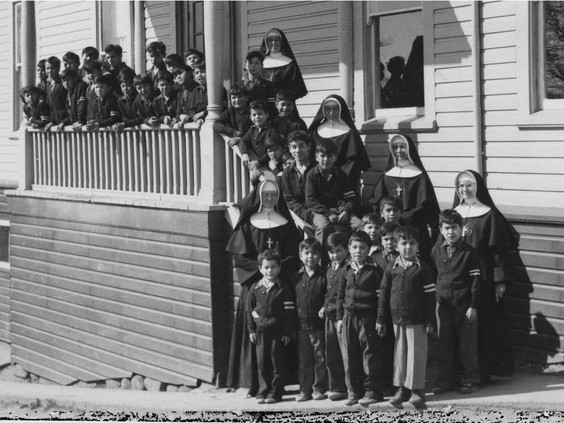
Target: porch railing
(154, 161)
(237, 178)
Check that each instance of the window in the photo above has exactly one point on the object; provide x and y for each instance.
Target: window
(551, 55)
(4, 243)
(400, 88)
(117, 28)
(190, 26)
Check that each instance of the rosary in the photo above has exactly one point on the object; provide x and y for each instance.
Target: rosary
(467, 230)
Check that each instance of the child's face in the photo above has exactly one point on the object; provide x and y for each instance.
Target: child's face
(41, 74)
(254, 66)
(270, 269)
(326, 161)
(102, 90)
(91, 76)
(144, 90)
(69, 83)
(389, 213)
(239, 101)
(113, 59)
(29, 98)
(86, 57)
(51, 71)
(309, 257)
(285, 108)
(289, 163)
(127, 88)
(359, 251)
(259, 117)
(200, 76)
(331, 111)
(192, 60)
(165, 87)
(338, 254)
(71, 64)
(275, 153)
(466, 189)
(156, 58)
(373, 231)
(400, 150)
(407, 248)
(389, 243)
(183, 78)
(299, 150)
(451, 232)
(172, 68)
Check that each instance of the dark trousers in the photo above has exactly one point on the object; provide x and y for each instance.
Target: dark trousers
(313, 372)
(458, 346)
(362, 355)
(270, 360)
(334, 357)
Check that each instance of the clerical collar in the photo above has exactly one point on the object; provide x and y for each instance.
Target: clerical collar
(408, 171)
(267, 220)
(472, 210)
(406, 264)
(332, 129)
(275, 60)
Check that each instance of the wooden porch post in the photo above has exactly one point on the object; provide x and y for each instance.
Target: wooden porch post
(212, 147)
(346, 51)
(28, 52)
(139, 35)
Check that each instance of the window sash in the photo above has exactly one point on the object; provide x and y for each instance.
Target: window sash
(544, 102)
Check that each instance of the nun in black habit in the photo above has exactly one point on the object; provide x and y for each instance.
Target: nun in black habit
(259, 227)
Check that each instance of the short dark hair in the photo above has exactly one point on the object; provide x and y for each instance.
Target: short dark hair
(360, 236)
(116, 48)
(54, 61)
(238, 90)
(41, 64)
(286, 94)
(69, 55)
(392, 200)
(275, 141)
(259, 105)
(91, 65)
(200, 66)
(105, 80)
(254, 54)
(32, 90)
(69, 73)
(287, 156)
(311, 243)
(194, 51)
(388, 228)
(326, 146)
(164, 76)
(336, 239)
(406, 232)
(450, 217)
(371, 218)
(92, 52)
(299, 135)
(268, 255)
(142, 79)
(126, 75)
(174, 60)
(156, 47)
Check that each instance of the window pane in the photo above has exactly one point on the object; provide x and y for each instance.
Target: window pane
(554, 49)
(401, 56)
(4, 243)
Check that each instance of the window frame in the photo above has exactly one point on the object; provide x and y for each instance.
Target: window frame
(5, 265)
(415, 119)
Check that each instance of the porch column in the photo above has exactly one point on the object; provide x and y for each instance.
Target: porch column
(28, 52)
(346, 51)
(139, 36)
(212, 147)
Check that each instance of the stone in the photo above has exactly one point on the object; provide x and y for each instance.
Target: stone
(172, 388)
(20, 372)
(113, 384)
(137, 383)
(184, 388)
(153, 385)
(125, 383)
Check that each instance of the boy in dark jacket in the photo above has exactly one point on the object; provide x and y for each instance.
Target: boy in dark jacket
(76, 100)
(126, 101)
(234, 122)
(103, 110)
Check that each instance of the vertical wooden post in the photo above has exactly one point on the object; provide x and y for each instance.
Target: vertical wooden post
(346, 51)
(212, 152)
(139, 36)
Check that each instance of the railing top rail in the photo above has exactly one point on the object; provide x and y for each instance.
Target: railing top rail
(187, 126)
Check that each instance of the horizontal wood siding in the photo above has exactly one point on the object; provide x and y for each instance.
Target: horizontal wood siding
(4, 280)
(102, 292)
(311, 28)
(160, 25)
(65, 26)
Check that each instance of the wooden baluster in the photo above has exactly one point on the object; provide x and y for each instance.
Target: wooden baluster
(131, 151)
(228, 173)
(189, 168)
(161, 140)
(154, 139)
(182, 140)
(113, 159)
(197, 162)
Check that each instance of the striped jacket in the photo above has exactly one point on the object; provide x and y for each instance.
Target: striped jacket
(323, 193)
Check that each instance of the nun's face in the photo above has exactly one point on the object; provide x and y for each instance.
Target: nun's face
(269, 198)
(331, 111)
(466, 188)
(273, 42)
(399, 148)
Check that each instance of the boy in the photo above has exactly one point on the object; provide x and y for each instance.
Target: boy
(357, 309)
(165, 104)
(270, 318)
(275, 147)
(458, 286)
(294, 177)
(126, 102)
(88, 54)
(41, 75)
(143, 104)
(371, 225)
(407, 295)
(193, 57)
(287, 120)
(328, 193)
(76, 100)
(114, 54)
(337, 248)
(252, 146)
(56, 93)
(174, 63)
(197, 107)
(156, 52)
(387, 252)
(35, 106)
(310, 294)
(390, 208)
(103, 111)
(92, 70)
(71, 61)
(234, 122)
(258, 87)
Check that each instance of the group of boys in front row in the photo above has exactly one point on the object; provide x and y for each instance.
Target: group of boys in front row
(375, 288)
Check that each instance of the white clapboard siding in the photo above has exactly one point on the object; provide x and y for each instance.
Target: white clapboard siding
(160, 24)
(65, 26)
(311, 28)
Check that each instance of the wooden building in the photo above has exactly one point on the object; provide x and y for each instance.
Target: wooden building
(112, 255)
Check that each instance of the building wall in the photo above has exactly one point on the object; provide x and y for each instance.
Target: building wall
(4, 279)
(104, 291)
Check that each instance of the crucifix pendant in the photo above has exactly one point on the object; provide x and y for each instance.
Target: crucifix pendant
(398, 190)
(269, 242)
(466, 230)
